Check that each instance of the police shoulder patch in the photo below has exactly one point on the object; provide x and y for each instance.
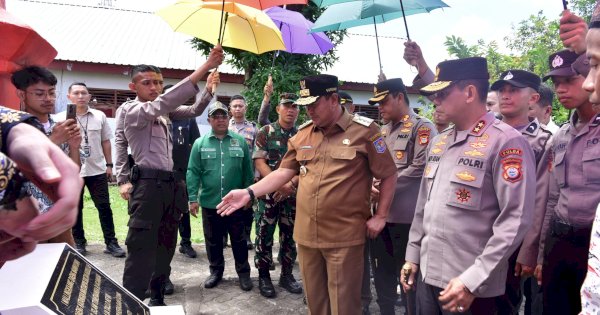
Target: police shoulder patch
(362, 120)
(304, 125)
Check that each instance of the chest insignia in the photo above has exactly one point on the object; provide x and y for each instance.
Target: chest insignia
(466, 176)
(463, 195)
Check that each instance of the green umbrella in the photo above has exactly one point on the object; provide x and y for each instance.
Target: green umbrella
(361, 12)
(343, 14)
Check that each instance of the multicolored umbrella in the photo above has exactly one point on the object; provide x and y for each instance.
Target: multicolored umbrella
(244, 27)
(264, 4)
(295, 30)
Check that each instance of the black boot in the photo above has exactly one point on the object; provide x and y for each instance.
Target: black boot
(265, 285)
(288, 282)
(157, 292)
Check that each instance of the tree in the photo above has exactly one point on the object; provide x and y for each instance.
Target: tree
(288, 68)
(531, 43)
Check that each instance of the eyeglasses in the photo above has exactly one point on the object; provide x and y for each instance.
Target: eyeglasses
(42, 95)
(222, 117)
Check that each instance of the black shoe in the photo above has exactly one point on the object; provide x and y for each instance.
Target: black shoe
(169, 287)
(288, 282)
(187, 250)
(245, 282)
(213, 280)
(80, 247)
(272, 266)
(114, 249)
(156, 302)
(249, 244)
(266, 287)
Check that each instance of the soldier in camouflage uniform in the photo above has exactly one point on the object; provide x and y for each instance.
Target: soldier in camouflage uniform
(280, 206)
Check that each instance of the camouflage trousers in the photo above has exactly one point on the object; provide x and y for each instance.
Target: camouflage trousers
(268, 215)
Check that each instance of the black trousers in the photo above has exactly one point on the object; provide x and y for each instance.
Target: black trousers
(215, 227)
(98, 187)
(387, 257)
(510, 302)
(152, 236)
(564, 269)
(428, 302)
(185, 229)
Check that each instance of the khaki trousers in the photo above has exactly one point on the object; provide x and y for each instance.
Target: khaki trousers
(332, 279)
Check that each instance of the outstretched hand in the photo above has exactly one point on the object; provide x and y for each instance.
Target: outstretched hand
(234, 200)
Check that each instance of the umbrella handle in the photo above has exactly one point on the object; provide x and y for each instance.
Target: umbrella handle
(404, 17)
(215, 85)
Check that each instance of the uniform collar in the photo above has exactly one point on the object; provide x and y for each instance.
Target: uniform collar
(212, 135)
(276, 124)
(478, 128)
(410, 117)
(233, 122)
(595, 121)
(345, 120)
(532, 128)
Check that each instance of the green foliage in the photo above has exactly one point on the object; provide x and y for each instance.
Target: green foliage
(531, 43)
(287, 68)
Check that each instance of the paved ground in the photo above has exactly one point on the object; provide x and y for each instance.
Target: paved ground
(227, 298)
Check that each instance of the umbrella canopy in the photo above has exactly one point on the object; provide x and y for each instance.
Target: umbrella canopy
(246, 28)
(295, 29)
(264, 4)
(21, 46)
(356, 13)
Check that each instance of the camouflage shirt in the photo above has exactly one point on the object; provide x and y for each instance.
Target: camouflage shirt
(271, 143)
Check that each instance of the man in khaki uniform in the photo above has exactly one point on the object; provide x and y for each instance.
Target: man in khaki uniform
(518, 92)
(336, 155)
(149, 186)
(475, 201)
(406, 136)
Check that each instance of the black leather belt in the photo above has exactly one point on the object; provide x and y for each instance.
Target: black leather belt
(574, 234)
(149, 173)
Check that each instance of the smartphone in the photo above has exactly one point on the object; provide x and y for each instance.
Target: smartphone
(71, 111)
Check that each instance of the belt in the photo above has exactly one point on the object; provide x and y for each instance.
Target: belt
(575, 234)
(149, 173)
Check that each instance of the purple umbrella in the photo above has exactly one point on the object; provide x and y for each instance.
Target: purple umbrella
(295, 30)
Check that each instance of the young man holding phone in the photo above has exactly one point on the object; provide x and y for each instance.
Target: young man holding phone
(96, 166)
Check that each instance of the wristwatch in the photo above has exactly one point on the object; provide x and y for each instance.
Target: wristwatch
(250, 192)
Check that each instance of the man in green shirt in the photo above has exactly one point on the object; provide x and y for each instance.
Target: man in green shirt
(219, 162)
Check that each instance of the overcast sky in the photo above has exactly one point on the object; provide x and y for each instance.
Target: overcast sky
(469, 19)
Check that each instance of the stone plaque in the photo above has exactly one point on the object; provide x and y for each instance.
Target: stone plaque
(78, 287)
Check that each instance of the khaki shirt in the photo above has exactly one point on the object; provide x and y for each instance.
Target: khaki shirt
(94, 126)
(146, 128)
(574, 184)
(538, 137)
(407, 141)
(474, 207)
(336, 173)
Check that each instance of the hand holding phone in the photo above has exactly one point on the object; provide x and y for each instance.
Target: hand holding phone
(71, 111)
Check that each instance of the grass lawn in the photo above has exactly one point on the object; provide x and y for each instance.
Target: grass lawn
(91, 223)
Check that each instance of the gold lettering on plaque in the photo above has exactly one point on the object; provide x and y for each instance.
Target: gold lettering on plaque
(119, 301)
(68, 293)
(96, 295)
(83, 291)
(108, 309)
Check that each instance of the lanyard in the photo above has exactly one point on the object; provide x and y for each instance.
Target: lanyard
(85, 134)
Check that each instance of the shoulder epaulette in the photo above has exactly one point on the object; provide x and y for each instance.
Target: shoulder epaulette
(304, 125)
(362, 120)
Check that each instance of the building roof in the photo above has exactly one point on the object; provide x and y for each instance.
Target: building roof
(105, 35)
(109, 35)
